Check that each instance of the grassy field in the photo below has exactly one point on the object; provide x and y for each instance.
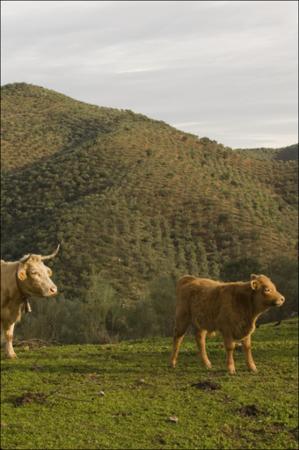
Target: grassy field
(123, 396)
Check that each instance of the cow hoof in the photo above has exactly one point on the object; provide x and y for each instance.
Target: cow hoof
(11, 356)
(253, 369)
(232, 371)
(172, 364)
(208, 365)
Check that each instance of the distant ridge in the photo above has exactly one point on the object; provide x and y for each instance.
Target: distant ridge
(288, 153)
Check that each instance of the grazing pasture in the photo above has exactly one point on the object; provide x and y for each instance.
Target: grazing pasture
(125, 396)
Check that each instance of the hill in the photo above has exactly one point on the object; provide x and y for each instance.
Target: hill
(122, 396)
(289, 153)
(133, 199)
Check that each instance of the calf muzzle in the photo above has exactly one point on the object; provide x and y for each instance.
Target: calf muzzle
(279, 301)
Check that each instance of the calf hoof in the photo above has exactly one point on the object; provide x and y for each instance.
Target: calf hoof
(172, 364)
(232, 371)
(208, 365)
(253, 369)
(11, 356)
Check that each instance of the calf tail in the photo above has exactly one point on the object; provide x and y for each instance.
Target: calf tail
(211, 334)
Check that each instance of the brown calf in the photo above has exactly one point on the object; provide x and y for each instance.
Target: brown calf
(230, 308)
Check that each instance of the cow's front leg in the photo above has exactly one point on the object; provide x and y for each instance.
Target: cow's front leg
(230, 346)
(8, 333)
(246, 343)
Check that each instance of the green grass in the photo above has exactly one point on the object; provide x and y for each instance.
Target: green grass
(141, 393)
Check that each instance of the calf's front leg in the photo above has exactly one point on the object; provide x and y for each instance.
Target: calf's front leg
(246, 343)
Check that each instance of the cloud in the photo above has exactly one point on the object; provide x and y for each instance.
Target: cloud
(218, 66)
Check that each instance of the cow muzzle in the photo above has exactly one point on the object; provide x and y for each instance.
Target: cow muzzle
(52, 291)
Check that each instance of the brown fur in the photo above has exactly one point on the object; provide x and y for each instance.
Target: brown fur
(20, 280)
(229, 308)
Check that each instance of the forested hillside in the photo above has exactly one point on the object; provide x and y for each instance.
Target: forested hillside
(135, 201)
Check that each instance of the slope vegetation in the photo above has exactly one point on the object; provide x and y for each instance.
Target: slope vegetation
(132, 198)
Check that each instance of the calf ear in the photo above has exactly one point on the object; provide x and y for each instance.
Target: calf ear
(22, 274)
(253, 281)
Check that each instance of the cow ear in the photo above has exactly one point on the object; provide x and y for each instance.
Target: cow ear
(49, 271)
(22, 274)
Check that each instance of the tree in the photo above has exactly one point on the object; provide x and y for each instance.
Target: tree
(284, 273)
(162, 300)
(202, 260)
(241, 269)
(101, 311)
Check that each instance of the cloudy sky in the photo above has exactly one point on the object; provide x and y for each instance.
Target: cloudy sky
(222, 69)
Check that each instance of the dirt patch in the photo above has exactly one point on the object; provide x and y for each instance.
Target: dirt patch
(34, 343)
(30, 397)
(92, 377)
(207, 385)
(122, 414)
(276, 428)
(249, 411)
(36, 368)
(295, 433)
(160, 440)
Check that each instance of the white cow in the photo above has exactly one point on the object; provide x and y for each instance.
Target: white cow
(19, 281)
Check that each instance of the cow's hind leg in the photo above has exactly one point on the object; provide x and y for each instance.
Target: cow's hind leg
(8, 333)
(2, 336)
(200, 337)
(181, 325)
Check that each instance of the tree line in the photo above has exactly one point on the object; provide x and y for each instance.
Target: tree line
(103, 317)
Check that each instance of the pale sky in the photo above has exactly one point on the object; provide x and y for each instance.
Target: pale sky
(227, 70)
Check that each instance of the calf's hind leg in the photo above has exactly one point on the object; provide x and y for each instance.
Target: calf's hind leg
(230, 346)
(181, 325)
(200, 337)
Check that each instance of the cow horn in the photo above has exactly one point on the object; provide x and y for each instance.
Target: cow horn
(52, 254)
(25, 258)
